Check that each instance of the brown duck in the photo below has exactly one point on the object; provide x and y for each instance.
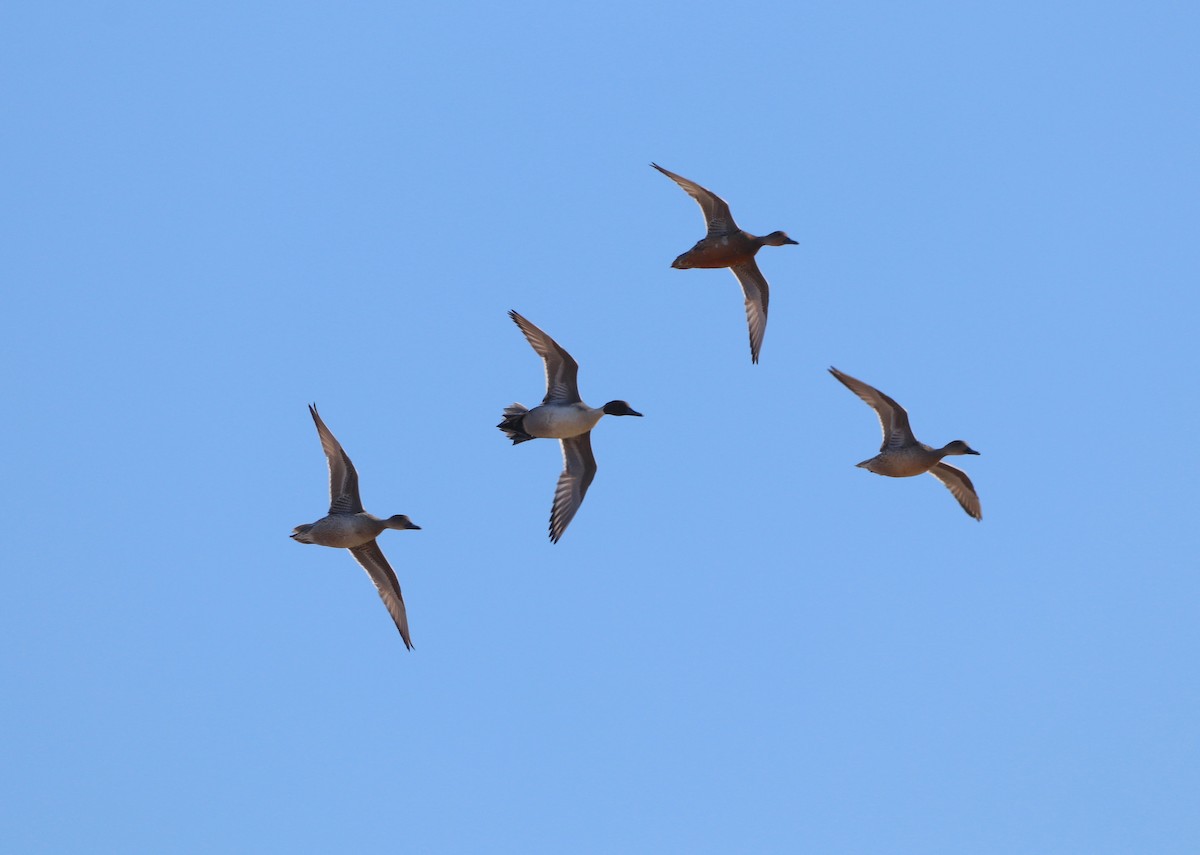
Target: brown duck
(901, 456)
(348, 526)
(726, 245)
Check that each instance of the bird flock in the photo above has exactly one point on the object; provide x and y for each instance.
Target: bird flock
(564, 416)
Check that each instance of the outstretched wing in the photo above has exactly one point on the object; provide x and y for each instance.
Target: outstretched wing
(343, 479)
(758, 295)
(579, 468)
(892, 417)
(960, 485)
(562, 385)
(716, 209)
(370, 556)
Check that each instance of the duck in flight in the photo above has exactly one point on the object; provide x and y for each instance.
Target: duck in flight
(726, 245)
(562, 416)
(348, 526)
(902, 456)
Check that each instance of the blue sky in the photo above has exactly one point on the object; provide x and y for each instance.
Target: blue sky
(217, 213)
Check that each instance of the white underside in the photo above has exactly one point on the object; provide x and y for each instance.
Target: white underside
(561, 421)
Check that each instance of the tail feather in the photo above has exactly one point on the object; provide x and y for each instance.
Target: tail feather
(300, 533)
(513, 425)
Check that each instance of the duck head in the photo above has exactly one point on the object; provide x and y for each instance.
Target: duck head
(777, 239)
(619, 408)
(401, 522)
(959, 447)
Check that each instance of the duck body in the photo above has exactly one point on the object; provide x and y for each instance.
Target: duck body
(561, 421)
(904, 462)
(346, 531)
(720, 251)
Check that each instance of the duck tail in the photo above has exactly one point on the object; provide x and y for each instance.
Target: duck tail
(300, 533)
(512, 423)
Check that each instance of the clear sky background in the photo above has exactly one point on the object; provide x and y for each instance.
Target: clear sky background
(216, 213)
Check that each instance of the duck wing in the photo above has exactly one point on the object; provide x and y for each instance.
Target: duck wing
(892, 417)
(371, 557)
(579, 468)
(343, 478)
(758, 295)
(716, 209)
(960, 485)
(562, 385)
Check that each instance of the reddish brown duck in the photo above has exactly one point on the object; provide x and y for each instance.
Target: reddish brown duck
(726, 245)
